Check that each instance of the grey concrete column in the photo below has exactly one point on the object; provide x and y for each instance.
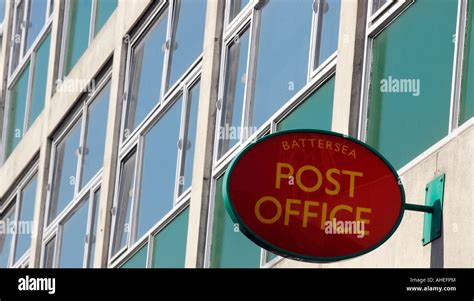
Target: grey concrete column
(350, 55)
(205, 135)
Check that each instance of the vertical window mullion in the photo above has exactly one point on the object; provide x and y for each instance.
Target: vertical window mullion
(95, 3)
(315, 40)
(11, 252)
(182, 143)
(29, 92)
(81, 150)
(251, 75)
(167, 46)
(90, 216)
(133, 219)
(458, 65)
(24, 29)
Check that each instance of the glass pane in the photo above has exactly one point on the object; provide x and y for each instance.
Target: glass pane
(77, 32)
(138, 260)
(95, 136)
(377, 4)
(169, 245)
(2, 10)
(314, 113)
(235, 7)
(37, 19)
(326, 43)
(234, 93)
(125, 196)
(187, 37)
(17, 35)
(16, 111)
(190, 137)
(6, 236)
(74, 237)
(145, 80)
(104, 9)
(409, 97)
(159, 169)
(25, 222)
(65, 166)
(94, 221)
(467, 92)
(282, 63)
(49, 253)
(230, 248)
(40, 75)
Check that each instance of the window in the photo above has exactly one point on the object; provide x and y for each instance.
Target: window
(467, 91)
(79, 30)
(166, 248)
(25, 218)
(2, 15)
(17, 222)
(6, 237)
(49, 252)
(79, 156)
(77, 229)
(30, 20)
(270, 56)
(410, 85)
(327, 29)
(314, 113)
(26, 93)
(156, 171)
(74, 190)
(161, 57)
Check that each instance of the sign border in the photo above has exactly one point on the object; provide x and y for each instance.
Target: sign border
(295, 256)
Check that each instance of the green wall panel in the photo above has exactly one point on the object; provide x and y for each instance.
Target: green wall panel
(314, 113)
(230, 249)
(77, 33)
(40, 75)
(138, 260)
(104, 9)
(169, 246)
(467, 92)
(418, 46)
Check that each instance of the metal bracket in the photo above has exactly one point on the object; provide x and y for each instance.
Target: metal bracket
(433, 209)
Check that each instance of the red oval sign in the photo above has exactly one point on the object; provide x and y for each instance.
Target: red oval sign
(314, 195)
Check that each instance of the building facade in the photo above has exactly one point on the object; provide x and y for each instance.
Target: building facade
(119, 118)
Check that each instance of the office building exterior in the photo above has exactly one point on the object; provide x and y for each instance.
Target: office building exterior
(119, 118)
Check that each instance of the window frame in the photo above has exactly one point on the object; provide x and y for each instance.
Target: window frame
(15, 199)
(375, 25)
(250, 19)
(164, 7)
(64, 33)
(52, 228)
(25, 54)
(135, 143)
(28, 59)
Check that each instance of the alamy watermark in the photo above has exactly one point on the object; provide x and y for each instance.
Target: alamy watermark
(400, 85)
(11, 227)
(345, 227)
(228, 132)
(75, 85)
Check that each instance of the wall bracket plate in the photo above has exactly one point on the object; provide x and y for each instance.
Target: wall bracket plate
(433, 222)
